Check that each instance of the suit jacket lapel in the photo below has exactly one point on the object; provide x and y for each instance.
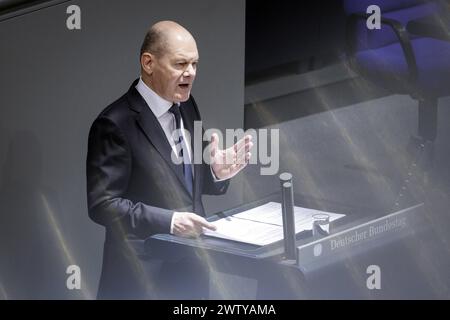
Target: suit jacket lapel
(149, 124)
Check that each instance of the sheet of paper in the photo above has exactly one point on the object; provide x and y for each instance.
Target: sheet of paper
(271, 213)
(263, 225)
(247, 231)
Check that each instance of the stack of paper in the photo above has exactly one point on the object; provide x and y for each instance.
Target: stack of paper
(263, 225)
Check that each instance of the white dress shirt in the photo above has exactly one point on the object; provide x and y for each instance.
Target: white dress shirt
(160, 108)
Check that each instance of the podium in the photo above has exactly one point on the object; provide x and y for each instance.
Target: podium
(339, 266)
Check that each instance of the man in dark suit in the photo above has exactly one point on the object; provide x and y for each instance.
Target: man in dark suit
(141, 177)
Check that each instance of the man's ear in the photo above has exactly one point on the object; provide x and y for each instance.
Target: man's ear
(147, 63)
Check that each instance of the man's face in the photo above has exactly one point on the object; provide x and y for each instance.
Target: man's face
(174, 71)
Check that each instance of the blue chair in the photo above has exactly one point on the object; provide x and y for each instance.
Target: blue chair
(397, 60)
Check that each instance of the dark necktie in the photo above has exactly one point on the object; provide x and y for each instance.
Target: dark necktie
(187, 170)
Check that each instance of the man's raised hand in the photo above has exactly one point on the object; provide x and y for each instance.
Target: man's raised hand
(227, 163)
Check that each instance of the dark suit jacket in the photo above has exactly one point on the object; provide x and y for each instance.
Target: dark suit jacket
(133, 187)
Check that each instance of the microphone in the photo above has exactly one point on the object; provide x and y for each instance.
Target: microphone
(287, 207)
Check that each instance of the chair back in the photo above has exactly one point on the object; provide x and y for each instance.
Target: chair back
(400, 10)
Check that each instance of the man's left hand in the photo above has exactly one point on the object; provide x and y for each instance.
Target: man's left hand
(227, 163)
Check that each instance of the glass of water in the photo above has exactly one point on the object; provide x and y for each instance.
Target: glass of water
(320, 225)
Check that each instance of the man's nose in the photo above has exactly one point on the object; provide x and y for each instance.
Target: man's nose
(189, 71)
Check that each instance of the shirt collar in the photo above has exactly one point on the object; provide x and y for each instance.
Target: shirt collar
(158, 105)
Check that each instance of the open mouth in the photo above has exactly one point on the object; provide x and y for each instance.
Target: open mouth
(184, 85)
